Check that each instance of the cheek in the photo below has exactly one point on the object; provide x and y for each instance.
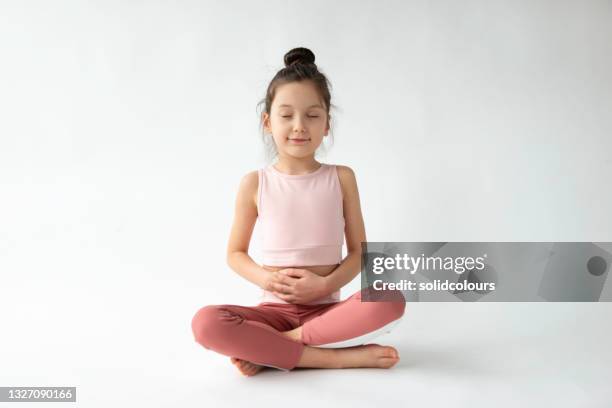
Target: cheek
(280, 138)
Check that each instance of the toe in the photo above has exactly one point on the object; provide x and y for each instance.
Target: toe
(388, 362)
(391, 352)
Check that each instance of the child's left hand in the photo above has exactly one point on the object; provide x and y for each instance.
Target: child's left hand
(296, 285)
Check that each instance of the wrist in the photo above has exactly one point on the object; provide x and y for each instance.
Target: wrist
(265, 280)
(327, 285)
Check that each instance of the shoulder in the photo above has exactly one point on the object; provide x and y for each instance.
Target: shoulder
(250, 179)
(347, 178)
(345, 174)
(345, 171)
(249, 184)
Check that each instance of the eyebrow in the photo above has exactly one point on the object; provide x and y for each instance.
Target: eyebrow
(311, 106)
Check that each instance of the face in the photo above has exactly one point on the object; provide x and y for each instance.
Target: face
(298, 120)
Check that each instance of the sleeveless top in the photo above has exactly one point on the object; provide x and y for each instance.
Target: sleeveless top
(301, 221)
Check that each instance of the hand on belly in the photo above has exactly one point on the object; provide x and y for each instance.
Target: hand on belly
(321, 270)
(298, 284)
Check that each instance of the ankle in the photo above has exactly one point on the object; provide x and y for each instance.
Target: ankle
(336, 357)
(295, 334)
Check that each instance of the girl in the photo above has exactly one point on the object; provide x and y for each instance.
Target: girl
(305, 210)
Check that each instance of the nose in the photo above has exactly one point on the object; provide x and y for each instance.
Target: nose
(299, 126)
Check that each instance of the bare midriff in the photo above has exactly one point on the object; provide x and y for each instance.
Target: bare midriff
(321, 270)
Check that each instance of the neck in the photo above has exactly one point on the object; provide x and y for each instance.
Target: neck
(297, 165)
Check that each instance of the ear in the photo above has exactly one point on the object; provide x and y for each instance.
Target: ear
(266, 122)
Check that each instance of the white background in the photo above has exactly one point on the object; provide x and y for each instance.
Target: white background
(125, 128)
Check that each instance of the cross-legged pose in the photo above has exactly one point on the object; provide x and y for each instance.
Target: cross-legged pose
(305, 210)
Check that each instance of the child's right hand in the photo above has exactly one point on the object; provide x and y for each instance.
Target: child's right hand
(271, 279)
(297, 285)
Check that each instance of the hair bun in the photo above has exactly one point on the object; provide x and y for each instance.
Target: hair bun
(299, 55)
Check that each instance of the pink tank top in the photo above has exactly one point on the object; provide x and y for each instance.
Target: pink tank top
(301, 221)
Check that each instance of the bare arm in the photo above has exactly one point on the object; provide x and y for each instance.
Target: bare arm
(354, 231)
(245, 216)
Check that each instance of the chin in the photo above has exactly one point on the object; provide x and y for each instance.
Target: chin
(298, 155)
(309, 146)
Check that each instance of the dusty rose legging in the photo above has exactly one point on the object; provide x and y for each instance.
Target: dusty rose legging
(252, 333)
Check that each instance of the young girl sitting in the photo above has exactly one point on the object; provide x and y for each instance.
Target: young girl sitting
(305, 210)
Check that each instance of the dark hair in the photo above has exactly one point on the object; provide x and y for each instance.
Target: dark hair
(299, 66)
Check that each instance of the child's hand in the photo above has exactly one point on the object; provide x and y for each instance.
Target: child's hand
(295, 285)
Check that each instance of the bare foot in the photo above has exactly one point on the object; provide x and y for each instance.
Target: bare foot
(369, 355)
(246, 367)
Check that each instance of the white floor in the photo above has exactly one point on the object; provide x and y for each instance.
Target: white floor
(122, 348)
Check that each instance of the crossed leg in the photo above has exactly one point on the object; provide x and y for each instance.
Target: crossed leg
(275, 337)
(353, 322)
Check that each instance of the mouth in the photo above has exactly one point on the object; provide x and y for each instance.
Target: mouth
(298, 141)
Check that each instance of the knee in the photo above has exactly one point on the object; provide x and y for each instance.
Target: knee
(203, 323)
(210, 324)
(390, 304)
(395, 304)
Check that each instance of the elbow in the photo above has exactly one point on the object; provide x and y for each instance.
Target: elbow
(355, 251)
(231, 256)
